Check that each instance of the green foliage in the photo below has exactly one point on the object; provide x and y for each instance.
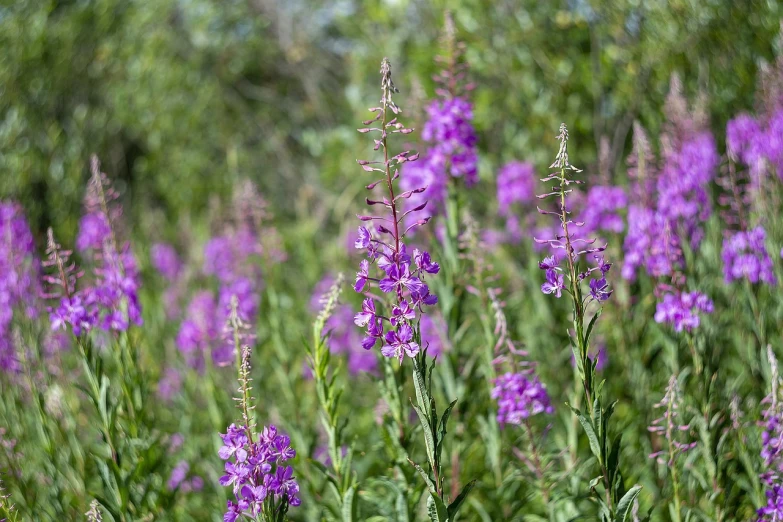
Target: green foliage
(186, 98)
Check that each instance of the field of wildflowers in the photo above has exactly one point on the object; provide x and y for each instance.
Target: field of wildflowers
(451, 332)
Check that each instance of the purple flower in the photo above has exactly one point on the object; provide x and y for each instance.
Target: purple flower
(566, 240)
(284, 482)
(453, 139)
(599, 289)
(165, 260)
(234, 511)
(397, 278)
(650, 244)
(234, 441)
(424, 262)
(199, 330)
(170, 384)
(367, 314)
(603, 265)
(178, 475)
(94, 229)
(744, 138)
(423, 298)
(683, 189)
(745, 256)
(402, 313)
(229, 256)
(363, 241)
(519, 398)
(72, 311)
(255, 494)
(773, 511)
(257, 477)
(681, 310)
(399, 343)
(548, 263)
(246, 293)
(374, 333)
(772, 439)
(406, 292)
(554, 283)
(117, 280)
(281, 449)
(516, 184)
(236, 475)
(219, 258)
(19, 277)
(362, 275)
(602, 208)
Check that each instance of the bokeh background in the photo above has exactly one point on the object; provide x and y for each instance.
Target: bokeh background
(182, 98)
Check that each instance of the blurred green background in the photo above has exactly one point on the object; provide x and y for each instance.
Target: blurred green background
(181, 98)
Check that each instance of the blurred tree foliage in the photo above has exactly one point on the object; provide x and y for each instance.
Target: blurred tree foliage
(180, 98)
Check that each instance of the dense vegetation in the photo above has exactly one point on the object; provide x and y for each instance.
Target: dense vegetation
(529, 320)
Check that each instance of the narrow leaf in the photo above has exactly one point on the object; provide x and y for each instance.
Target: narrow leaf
(595, 445)
(426, 477)
(454, 506)
(436, 509)
(429, 442)
(590, 326)
(626, 503)
(349, 505)
(444, 420)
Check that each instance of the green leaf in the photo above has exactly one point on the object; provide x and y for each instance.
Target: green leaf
(592, 323)
(610, 411)
(422, 397)
(595, 445)
(454, 506)
(103, 403)
(578, 359)
(349, 505)
(427, 430)
(626, 503)
(436, 509)
(426, 477)
(345, 466)
(614, 457)
(597, 419)
(442, 429)
(597, 480)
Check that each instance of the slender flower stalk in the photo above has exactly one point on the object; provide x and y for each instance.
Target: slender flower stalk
(114, 295)
(668, 427)
(401, 280)
(569, 246)
(744, 252)
(566, 246)
(341, 476)
(118, 390)
(263, 485)
(402, 275)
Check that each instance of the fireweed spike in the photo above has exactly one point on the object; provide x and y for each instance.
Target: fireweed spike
(393, 281)
(564, 273)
